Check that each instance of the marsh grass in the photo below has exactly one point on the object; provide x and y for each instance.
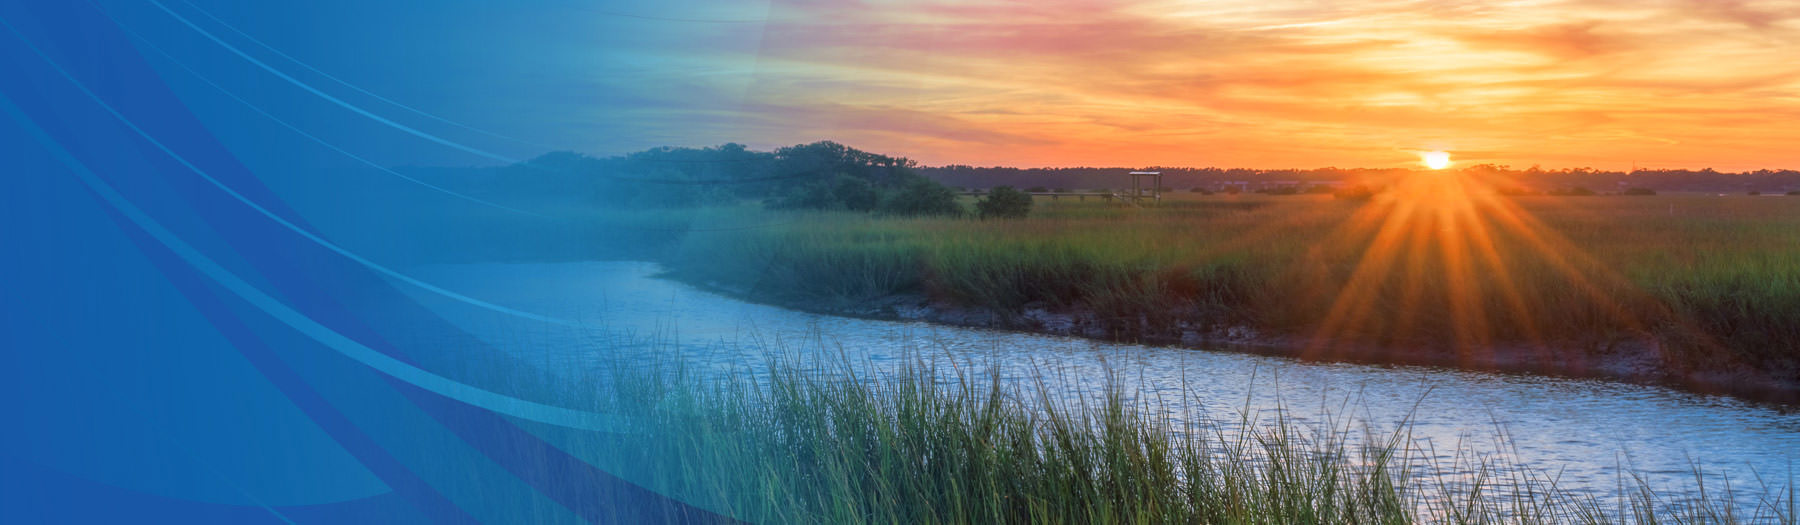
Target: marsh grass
(812, 441)
(1713, 281)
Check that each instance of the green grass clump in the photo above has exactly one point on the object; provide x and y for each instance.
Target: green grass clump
(813, 442)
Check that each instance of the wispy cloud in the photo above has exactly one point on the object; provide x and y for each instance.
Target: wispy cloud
(1273, 83)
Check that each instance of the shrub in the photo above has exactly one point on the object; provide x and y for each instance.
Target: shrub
(1754, 193)
(1354, 193)
(920, 196)
(1004, 202)
(1639, 191)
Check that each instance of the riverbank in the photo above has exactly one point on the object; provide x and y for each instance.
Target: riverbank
(1639, 361)
(1704, 300)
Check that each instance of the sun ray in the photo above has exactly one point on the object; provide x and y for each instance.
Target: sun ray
(1351, 306)
(1431, 266)
(1483, 241)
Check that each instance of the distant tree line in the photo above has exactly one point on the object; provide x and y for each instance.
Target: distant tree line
(819, 176)
(830, 176)
(1530, 180)
(1175, 178)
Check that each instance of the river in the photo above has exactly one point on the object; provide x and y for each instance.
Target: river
(1581, 431)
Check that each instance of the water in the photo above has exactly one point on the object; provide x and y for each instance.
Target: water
(1581, 431)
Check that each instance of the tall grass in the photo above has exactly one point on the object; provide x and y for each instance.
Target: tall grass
(1714, 282)
(813, 442)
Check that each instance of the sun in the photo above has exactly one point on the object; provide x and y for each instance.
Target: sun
(1436, 160)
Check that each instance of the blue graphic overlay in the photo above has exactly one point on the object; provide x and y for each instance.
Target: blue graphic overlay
(210, 312)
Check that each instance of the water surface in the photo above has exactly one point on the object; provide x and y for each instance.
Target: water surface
(1580, 431)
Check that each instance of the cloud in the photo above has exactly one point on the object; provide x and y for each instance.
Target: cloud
(1564, 41)
(1239, 82)
(1741, 12)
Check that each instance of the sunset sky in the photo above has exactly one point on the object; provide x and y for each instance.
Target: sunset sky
(1240, 83)
(1260, 83)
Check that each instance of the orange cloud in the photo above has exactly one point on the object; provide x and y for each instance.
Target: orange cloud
(1265, 83)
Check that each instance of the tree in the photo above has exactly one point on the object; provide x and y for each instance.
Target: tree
(855, 194)
(1639, 191)
(813, 196)
(1004, 202)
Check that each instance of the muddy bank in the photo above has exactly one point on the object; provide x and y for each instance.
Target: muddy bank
(1641, 360)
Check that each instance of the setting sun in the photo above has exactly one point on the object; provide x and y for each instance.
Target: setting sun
(1436, 160)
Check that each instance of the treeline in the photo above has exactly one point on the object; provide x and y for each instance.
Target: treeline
(1174, 177)
(1533, 180)
(828, 175)
(1554, 181)
(821, 175)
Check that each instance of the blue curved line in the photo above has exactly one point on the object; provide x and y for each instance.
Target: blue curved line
(309, 67)
(491, 401)
(327, 96)
(264, 211)
(295, 129)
